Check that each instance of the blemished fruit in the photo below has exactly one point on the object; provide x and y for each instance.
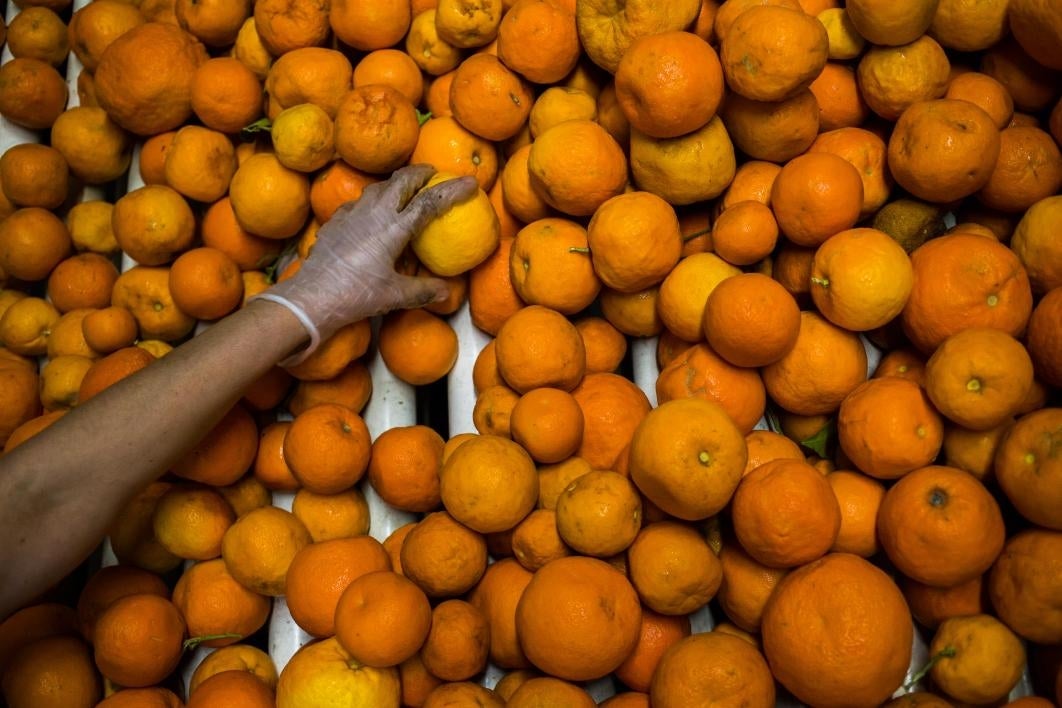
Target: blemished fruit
(838, 219)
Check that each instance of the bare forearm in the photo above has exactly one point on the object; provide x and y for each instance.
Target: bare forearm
(60, 490)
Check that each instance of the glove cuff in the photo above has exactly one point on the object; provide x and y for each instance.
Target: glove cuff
(304, 320)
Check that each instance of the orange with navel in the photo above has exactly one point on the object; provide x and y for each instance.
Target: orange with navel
(940, 526)
(979, 377)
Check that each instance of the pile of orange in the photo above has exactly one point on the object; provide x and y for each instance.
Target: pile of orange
(770, 188)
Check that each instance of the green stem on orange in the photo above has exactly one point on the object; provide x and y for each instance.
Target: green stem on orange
(945, 653)
(578, 249)
(262, 125)
(193, 642)
(423, 118)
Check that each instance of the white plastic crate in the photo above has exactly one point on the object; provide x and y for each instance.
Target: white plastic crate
(394, 403)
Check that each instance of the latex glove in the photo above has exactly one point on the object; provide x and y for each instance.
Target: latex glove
(350, 272)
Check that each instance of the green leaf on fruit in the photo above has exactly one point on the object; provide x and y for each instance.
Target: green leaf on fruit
(249, 131)
(822, 441)
(423, 118)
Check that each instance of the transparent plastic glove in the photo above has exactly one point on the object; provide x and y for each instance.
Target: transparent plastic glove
(350, 272)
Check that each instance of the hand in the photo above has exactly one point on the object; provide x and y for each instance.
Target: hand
(350, 273)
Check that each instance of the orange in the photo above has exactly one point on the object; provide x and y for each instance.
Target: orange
(212, 603)
(610, 116)
(536, 541)
(155, 697)
(512, 680)
(979, 377)
(221, 230)
(867, 661)
(34, 175)
(772, 131)
(711, 667)
(841, 105)
(607, 27)
(497, 595)
(89, 224)
(52, 672)
(753, 180)
(750, 320)
(691, 168)
(612, 409)
(634, 241)
(599, 514)
(673, 447)
(189, 522)
(824, 366)
(815, 196)
(375, 128)
(576, 166)
(969, 27)
(224, 454)
(214, 23)
(963, 280)
(1035, 249)
(549, 266)
(110, 369)
(669, 84)
(1024, 588)
(417, 346)
(382, 618)
(153, 224)
(467, 26)
(865, 150)
(270, 467)
(461, 237)
(859, 498)
(34, 94)
(442, 556)
(308, 75)
(891, 79)
(891, 24)
(488, 99)
(554, 479)
(153, 151)
(138, 640)
(673, 569)
(1037, 30)
(745, 233)
(980, 659)
(729, 11)
(568, 607)
(335, 353)
(60, 380)
(328, 516)
(92, 29)
(227, 687)
(462, 693)
(206, 283)
(555, 54)
(444, 144)
(489, 484)
(973, 450)
(131, 537)
(493, 410)
(457, 644)
(262, 180)
(434, 55)
(404, 467)
(288, 26)
(887, 427)
(940, 526)
(246, 494)
(931, 605)
(259, 547)
(538, 346)
(769, 52)
(335, 185)
(111, 583)
(200, 163)
(327, 448)
(82, 281)
(633, 314)
(320, 572)
(1026, 468)
(765, 445)
(658, 633)
(32, 242)
(606, 347)
(394, 68)
(746, 586)
(935, 160)
(698, 372)
(548, 423)
(861, 279)
(986, 92)
(546, 690)
(1014, 184)
(320, 671)
(33, 622)
(144, 80)
(776, 499)
(26, 326)
(417, 683)
(368, 27)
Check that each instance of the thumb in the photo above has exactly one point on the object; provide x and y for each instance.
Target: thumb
(419, 291)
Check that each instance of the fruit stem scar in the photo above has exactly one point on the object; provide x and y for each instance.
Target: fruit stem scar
(193, 642)
(973, 385)
(1029, 458)
(345, 427)
(993, 300)
(703, 457)
(157, 306)
(938, 497)
(920, 431)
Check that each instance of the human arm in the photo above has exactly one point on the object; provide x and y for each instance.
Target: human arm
(60, 489)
